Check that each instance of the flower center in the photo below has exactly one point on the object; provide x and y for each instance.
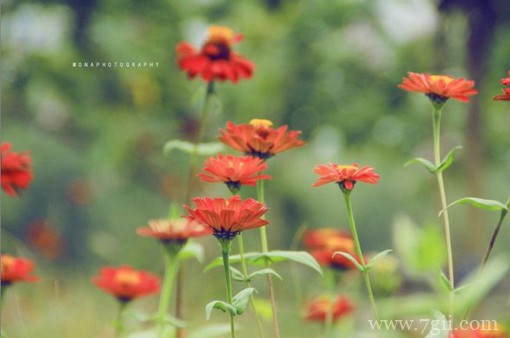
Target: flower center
(219, 35)
(127, 277)
(261, 123)
(7, 263)
(346, 167)
(444, 78)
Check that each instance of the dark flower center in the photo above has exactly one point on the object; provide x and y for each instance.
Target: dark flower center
(217, 51)
(437, 99)
(225, 235)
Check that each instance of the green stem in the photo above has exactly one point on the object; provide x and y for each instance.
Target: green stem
(171, 265)
(265, 248)
(225, 252)
(495, 235)
(357, 245)
(119, 323)
(446, 221)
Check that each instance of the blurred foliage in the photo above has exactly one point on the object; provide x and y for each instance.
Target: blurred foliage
(328, 68)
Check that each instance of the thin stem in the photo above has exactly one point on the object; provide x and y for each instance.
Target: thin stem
(265, 248)
(357, 245)
(446, 221)
(495, 235)
(225, 252)
(119, 322)
(171, 265)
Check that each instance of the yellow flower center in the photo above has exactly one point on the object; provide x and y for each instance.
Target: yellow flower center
(444, 78)
(7, 262)
(261, 123)
(348, 167)
(219, 34)
(127, 277)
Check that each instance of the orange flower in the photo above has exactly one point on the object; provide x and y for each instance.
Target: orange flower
(323, 243)
(234, 171)
(126, 283)
(43, 237)
(16, 269)
(320, 308)
(216, 60)
(228, 217)
(345, 176)
(16, 170)
(506, 92)
(484, 332)
(173, 230)
(259, 138)
(439, 88)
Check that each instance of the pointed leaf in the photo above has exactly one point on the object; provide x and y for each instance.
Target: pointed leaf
(237, 275)
(479, 203)
(240, 301)
(192, 249)
(377, 258)
(220, 305)
(350, 258)
(426, 163)
(262, 272)
(448, 159)
(446, 281)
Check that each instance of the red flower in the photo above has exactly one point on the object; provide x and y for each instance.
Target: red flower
(173, 230)
(216, 60)
(234, 171)
(16, 170)
(259, 139)
(323, 243)
(439, 88)
(345, 175)
(228, 217)
(16, 269)
(490, 331)
(320, 308)
(506, 92)
(43, 237)
(126, 283)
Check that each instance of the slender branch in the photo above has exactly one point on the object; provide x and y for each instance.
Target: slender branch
(495, 235)
(119, 322)
(171, 265)
(225, 252)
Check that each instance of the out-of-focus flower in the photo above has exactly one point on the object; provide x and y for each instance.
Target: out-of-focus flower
(259, 138)
(506, 91)
(439, 88)
(173, 230)
(320, 308)
(16, 170)
(323, 243)
(45, 239)
(234, 171)
(215, 60)
(126, 283)
(345, 176)
(228, 217)
(80, 192)
(490, 331)
(16, 269)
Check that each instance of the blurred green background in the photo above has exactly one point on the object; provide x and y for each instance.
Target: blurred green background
(327, 67)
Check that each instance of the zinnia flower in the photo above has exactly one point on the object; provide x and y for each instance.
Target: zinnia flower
(259, 138)
(173, 230)
(345, 176)
(126, 283)
(234, 171)
(16, 170)
(439, 88)
(506, 92)
(484, 332)
(16, 269)
(216, 60)
(323, 243)
(320, 308)
(228, 217)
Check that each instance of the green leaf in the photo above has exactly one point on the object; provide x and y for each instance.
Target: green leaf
(479, 203)
(213, 331)
(350, 258)
(265, 259)
(220, 305)
(237, 275)
(264, 308)
(427, 164)
(204, 149)
(240, 301)
(192, 249)
(263, 272)
(448, 159)
(446, 281)
(377, 258)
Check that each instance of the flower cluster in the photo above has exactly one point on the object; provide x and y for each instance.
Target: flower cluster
(319, 309)
(506, 91)
(16, 170)
(323, 243)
